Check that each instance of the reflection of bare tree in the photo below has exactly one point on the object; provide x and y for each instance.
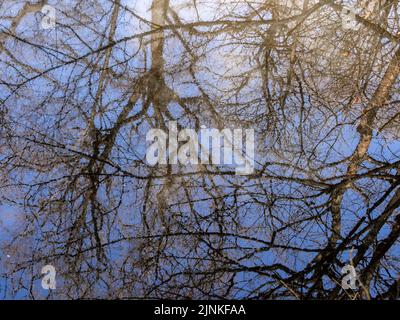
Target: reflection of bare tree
(77, 102)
